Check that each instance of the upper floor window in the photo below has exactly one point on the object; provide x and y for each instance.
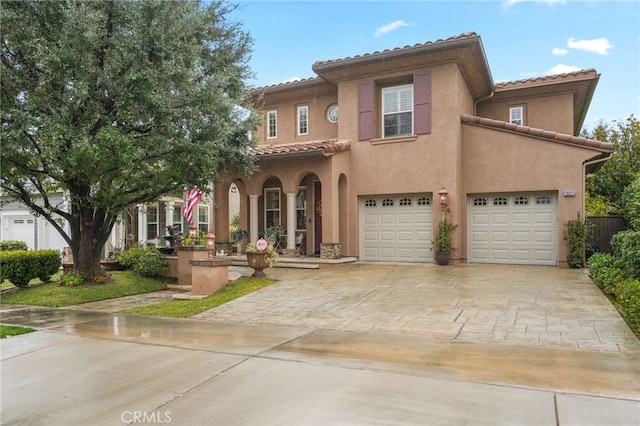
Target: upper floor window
(515, 116)
(272, 124)
(303, 120)
(397, 110)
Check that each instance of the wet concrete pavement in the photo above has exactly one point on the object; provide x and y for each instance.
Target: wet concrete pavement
(358, 344)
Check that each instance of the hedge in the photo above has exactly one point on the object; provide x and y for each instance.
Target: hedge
(10, 245)
(21, 266)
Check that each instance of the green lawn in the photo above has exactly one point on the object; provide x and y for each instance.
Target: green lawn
(125, 283)
(13, 330)
(188, 308)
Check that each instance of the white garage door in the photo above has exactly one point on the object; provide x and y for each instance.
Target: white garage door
(21, 228)
(513, 229)
(396, 228)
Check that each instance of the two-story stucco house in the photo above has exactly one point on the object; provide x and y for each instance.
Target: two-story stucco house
(351, 162)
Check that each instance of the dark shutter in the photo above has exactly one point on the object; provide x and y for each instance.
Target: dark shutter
(422, 103)
(365, 111)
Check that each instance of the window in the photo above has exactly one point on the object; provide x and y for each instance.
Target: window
(500, 201)
(515, 116)
(480, 201)
(178, 218)
(543, 199)
(203, 218)
(271, 207)
(370, 203)
(405, 202)
(424, 201)
(272, 124)
(387, 202)
(397, 110)
(521, 201)
(303, 120)
(152, 222)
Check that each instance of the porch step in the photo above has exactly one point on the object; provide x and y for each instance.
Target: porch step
(178, 288)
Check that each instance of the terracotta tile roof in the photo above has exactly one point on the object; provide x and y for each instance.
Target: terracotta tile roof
(539, 133)
(326, 147)
(288, 84)
(404, 49)
(547, 79)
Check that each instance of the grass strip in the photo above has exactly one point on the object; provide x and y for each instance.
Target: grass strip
(13, 330)
(52, 294)
(189, 308)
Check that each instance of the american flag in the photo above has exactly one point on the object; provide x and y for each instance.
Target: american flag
(191, 199)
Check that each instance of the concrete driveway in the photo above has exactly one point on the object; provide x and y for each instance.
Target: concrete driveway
(356, 344)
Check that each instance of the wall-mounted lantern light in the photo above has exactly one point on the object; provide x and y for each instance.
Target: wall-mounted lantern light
(443, 193)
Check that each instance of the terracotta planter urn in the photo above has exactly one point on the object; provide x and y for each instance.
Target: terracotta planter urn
(258, 261)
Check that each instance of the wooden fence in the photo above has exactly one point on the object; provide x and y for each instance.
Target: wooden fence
(604, 228)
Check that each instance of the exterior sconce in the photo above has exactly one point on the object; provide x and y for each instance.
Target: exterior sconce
(443, 197)
(211, 243)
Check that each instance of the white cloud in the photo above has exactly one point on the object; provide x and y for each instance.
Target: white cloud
(385, 29)
(562, 69)
(600, 46)
(559, 52)
(508, 3)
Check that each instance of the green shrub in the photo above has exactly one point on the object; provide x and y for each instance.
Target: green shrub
(71, 279)
(130, 257)
(49, 263)
(627, 295)
(21, 266)
(151, 263)
(146, 261)
(626, 252)
(11, 245)
(16, 267)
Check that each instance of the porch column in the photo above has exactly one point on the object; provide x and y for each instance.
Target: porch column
(169, 206)
(291, 220)
(142, 224)
(253, 217)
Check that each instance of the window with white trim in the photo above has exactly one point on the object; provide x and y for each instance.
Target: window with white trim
(272, 124)
(424, 201)
(203, 218)
(515, 116)
(480, 201)
(397, 111)
(543, 199)
(152, 222)
(303, 120)
(370, 203)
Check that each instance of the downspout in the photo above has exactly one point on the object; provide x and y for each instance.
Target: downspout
(475, 104)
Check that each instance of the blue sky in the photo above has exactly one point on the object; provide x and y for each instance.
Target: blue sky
(522, 39)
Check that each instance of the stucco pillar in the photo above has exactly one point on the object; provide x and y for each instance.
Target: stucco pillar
(253, 217)
(142, 224)
(291, 220)
(220, 209)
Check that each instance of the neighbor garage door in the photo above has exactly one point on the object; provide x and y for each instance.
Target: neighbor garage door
(519, 228)
(396, 228)
(21, 228)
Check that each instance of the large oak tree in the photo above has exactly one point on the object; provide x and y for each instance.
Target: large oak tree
(116, 103)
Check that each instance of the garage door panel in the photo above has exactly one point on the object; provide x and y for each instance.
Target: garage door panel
(388, 219)
(396, 228)
(506, 230)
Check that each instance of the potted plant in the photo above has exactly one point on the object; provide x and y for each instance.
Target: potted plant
(260, 256)
(443, 241)
(576, 235)
(238, 236)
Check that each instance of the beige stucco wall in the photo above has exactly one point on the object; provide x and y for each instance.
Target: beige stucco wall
(496, 161)
(544, 112)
